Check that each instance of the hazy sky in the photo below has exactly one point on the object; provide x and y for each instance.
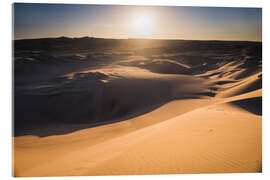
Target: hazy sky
(112, 21)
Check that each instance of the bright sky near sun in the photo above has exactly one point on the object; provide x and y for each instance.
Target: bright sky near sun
(161, 22)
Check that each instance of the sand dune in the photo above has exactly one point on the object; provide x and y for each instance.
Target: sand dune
(99, 93)
(229, 143)
(158, 108)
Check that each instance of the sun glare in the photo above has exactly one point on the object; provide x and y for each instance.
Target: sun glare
(143, 26)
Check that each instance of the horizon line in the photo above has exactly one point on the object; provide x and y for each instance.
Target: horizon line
(93, 37)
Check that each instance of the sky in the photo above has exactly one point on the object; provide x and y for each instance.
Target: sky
(33, 20)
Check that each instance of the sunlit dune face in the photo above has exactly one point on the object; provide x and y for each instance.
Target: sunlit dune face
(143, 26)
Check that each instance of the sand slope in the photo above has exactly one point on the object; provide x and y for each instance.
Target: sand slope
(195, 141)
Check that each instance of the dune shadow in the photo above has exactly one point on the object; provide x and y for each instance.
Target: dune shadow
(224, 82)
(43, 129)
(253, 105)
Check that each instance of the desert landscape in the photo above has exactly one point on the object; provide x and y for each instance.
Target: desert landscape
(93, 106)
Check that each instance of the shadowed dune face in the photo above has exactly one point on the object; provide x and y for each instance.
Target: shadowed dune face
(98, 81)
(103, 96)
(253, 105)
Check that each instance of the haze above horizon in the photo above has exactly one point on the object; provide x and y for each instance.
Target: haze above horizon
(33, 20)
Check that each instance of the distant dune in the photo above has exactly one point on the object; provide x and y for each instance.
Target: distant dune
(87, 106)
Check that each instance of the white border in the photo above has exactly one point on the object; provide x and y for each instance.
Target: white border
(6, 70)
(228, 3)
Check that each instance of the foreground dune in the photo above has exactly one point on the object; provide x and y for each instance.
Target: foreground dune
(139, 111)
(216, 138)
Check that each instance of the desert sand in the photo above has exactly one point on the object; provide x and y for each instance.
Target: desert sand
(132, 107)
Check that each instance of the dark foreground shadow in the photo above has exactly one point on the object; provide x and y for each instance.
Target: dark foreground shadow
(46, 128)
(253, 105)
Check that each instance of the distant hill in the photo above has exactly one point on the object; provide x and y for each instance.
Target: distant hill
(84, 43)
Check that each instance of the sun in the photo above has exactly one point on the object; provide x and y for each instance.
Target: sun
(143, 26)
